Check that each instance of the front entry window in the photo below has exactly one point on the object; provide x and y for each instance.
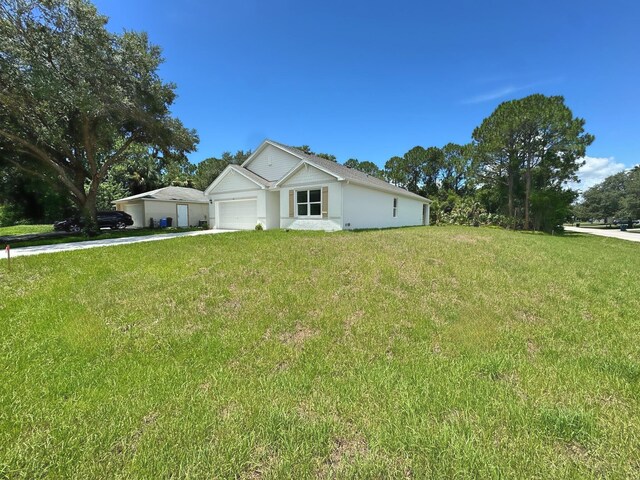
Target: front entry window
(309, 203)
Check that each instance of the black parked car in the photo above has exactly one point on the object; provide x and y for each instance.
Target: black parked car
(115, 220)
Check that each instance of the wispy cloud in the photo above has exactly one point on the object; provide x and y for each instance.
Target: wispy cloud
(504, 91)
(595, 170)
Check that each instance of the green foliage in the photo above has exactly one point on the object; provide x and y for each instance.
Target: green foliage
(456, 210)
(417, 170)
(209, 169)
(457, 173)
(528, 146)
(259, 227)
(551, 207)
(367, 167)
(307, 149)
(74, 97)
(25, 198)
(616, 197)
(327, 156)
(433, 171)
(631, 200)
(109, 191)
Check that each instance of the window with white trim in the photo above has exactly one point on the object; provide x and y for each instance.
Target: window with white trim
(309, 203)
(395, 207)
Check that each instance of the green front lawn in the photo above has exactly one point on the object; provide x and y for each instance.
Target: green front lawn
(443, 352)
(25, 229)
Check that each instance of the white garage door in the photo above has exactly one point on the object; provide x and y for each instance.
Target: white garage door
(137, 214)
(238, 215)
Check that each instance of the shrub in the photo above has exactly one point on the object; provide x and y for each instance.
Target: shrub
(259, 227)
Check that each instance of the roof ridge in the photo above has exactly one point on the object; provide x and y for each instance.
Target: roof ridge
(351, 174)
(240, 167)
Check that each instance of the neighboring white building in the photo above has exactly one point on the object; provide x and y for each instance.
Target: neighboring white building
(282, 187)
(187, 207)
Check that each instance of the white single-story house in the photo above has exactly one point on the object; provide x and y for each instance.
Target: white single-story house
(282, 187)
(187, 207)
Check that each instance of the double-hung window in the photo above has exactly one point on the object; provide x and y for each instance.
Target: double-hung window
(309, 203)
(395, 207)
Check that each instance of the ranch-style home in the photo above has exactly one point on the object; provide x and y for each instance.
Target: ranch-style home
(282, 187)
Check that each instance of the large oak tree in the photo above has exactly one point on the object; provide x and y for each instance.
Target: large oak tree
(75, 98)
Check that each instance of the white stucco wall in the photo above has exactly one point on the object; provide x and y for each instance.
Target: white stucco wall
(272, 163)
(160, 209)
(367, 208)
(334, 218)
(197, 212)
(272, 200)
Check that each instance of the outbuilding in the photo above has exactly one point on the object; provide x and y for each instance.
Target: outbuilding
(280, 186)
(187, 207)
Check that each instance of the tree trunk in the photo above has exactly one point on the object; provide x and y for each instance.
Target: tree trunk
(510, 185)
(527, 195)
(89, 212)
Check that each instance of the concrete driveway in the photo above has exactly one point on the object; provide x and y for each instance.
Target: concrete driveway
(109, 242)
(630, 236)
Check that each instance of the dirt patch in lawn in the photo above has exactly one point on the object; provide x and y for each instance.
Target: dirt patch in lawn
(352, 319)
(344, 452)
(297, 337)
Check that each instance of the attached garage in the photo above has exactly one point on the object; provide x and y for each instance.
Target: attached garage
(237, 214)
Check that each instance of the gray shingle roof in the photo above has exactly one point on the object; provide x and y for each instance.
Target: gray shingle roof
(351, 174)
(180, 194)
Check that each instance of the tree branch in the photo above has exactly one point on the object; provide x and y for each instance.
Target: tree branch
(116, 157)
(88, 147)
(44, 158)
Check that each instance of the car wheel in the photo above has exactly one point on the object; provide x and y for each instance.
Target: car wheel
(74, 228)
(121, 225)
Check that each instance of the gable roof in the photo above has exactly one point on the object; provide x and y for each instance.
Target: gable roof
(248, 174)
(180, 194)
(297, 168)
(342, 172)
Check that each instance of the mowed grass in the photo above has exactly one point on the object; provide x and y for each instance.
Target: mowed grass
(425, 352)
(25, 229)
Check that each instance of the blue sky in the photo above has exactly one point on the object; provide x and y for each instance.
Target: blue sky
(370, 79)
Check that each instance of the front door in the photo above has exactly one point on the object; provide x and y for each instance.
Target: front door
(183, 216)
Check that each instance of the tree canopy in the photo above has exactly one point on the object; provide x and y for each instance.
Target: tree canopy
(76, 98)
(532, 146)
(307, 149)
(616, 197)
(432, 171)
(209, 169)
(365, 166)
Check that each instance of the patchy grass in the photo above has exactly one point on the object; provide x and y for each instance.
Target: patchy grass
(446, 352)
(25, 229)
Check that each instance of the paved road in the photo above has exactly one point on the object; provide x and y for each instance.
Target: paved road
(109, 242)
(632, 237)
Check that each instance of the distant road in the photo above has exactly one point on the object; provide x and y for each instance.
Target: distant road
(632, 237)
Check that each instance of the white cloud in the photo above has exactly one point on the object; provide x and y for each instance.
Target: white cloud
(502, 92)
(508, 90)
(595, 170)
